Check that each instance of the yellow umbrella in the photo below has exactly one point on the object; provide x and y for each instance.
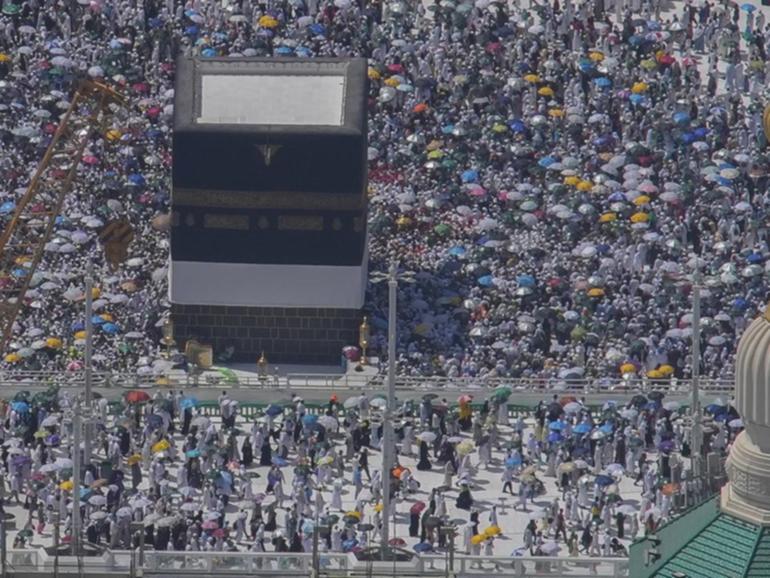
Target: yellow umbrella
(162, 445)
(571, 180)
(267, 22)
(354, 514)
(107, 317)
(595, 292)
(403, 221)
(498, 128)
(437, 154)
(378, 507)
(585, 186)
(556, 112)
(394, 82)
(133, 459)
(373, 73)
(532, 78)
(627, 368)
(640, 218)
(23, 259)
(4, 57)
(596, 56)
(608, 217)
(434, 145)
(639, 87)
(113, 135)
(545, 91)
(641, 200)
(96, 293)
(53, 343)
(67, 485)
(654, 374)
(478, 539)
(12, 358)
(492, 531)
(666, 369)
(80, 335)
(648, 64)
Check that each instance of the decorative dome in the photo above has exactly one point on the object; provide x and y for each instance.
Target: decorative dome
(747, 495)
(752, 382)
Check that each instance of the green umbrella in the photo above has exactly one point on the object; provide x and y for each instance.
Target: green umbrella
(442, 229)
(502, 392)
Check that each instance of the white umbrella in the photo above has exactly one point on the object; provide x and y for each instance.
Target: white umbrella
(426, 436)
(97, 500)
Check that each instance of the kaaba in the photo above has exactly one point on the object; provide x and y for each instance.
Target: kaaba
(269, 178)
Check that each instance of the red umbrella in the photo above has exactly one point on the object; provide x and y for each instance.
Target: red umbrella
(417, 507)
(464, 398)
(397, 542)
(137, 396)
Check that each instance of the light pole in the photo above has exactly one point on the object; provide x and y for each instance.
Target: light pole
(696, 433)
(88, 363)
(393, 277)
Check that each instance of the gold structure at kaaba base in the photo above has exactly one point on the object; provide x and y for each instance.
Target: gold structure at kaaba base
(363, 338)
(199, 354)
(766, 121)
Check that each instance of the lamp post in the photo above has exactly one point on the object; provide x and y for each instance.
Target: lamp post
(696, 432)
(88, 355)
(393, 277)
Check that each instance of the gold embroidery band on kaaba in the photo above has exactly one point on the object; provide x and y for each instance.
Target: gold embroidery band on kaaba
(211, 199)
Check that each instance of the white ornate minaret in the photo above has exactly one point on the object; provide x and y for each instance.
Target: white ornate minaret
(747, 494)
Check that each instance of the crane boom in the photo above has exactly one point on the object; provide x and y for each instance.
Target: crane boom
(32, 223)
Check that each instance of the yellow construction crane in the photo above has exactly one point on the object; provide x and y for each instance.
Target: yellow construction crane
(32, 223)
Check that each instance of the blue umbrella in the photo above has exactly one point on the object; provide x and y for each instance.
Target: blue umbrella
(554, 437)
(188, 402)
(191, 31)
(96, 320)
(681, 117)
(546, 162)
(748, 7)
(469, 176)
(309, 419)
(193, 453)
(517, 126)
(20, 406)
(279, 461)
(423, 547)
(525, 281)
(317, 29)
(348, 545)
(7, 207)
(136, 179)
(273, 410)
(284, 50)
(485, 281)
(208, 52)
(556, 426)
(616, 197)
(512, 462)
(688, 138)
(303, 51)
(582, 428)
(700, 132)
(447, 128)
(740, 303)
(606, 428)
(110, 328)
(602, 82)
(636, 98)
(755, 258)
(457, 251)
(224, 480)
(603, 481)
(307, 527)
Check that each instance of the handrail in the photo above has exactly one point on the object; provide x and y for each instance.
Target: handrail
(301, 564)
(339, 382)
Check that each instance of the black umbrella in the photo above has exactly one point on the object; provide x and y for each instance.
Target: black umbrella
(656, 395)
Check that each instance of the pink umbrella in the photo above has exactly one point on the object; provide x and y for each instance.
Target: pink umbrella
(74, 366)
(210, 525)
(476, 191)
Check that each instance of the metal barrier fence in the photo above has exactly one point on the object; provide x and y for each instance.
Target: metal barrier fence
(352, 382)
(160, 564)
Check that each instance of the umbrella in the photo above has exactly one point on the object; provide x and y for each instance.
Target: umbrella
(603, 481)
(137, 396)
(417, 507)
(273, 410)
(426, 436)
